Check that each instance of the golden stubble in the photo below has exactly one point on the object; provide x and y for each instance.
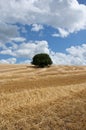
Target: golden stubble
(51, 98)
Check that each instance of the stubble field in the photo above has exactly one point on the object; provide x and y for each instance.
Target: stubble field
(51, 98)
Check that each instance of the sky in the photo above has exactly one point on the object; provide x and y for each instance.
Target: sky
(55, 27)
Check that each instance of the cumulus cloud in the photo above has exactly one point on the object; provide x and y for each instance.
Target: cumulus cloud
(77, 50)
(23, 30)
(62, 33)
(30, 49)
(75, 55)
(7, 52)
(8, 61)
(25, 62)
(26, 49)
(18, 39)
(7, 31)
(2, 46)
(67, 16)
(37, 27)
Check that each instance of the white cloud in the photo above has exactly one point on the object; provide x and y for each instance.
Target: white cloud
(67, 15)
(55, 35)
(75, 55)
(8, 61)
(2, 46)
(7, 31)
(27, 49)
(23, 30)
(25, 62)
(30, 49)
(77, 50)
(37, 27)
(18, 39)
(62, 33)
(7, 52)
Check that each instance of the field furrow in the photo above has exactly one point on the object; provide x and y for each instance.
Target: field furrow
(42, 99)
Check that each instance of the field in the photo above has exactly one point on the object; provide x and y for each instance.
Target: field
(51, 98)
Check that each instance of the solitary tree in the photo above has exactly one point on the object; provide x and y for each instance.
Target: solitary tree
(41, 60)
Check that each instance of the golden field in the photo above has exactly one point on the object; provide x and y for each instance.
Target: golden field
(51, 98)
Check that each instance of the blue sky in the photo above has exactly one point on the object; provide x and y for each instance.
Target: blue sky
(56, 27)
(82, 1)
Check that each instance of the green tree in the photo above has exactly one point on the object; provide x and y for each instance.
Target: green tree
(42, 60)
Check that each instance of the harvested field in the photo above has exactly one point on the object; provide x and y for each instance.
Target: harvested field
(51, 98)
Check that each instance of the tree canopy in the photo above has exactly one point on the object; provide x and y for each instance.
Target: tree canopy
(42, 60)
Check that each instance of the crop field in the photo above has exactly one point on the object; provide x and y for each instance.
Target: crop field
(52, 98)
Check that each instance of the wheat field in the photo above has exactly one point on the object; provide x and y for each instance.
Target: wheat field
(51, 98)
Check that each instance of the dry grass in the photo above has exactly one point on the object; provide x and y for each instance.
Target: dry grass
(42, 99)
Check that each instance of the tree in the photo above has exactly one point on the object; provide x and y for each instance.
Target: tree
(41, 60)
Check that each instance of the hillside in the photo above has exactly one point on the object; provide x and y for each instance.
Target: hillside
(51, 98)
